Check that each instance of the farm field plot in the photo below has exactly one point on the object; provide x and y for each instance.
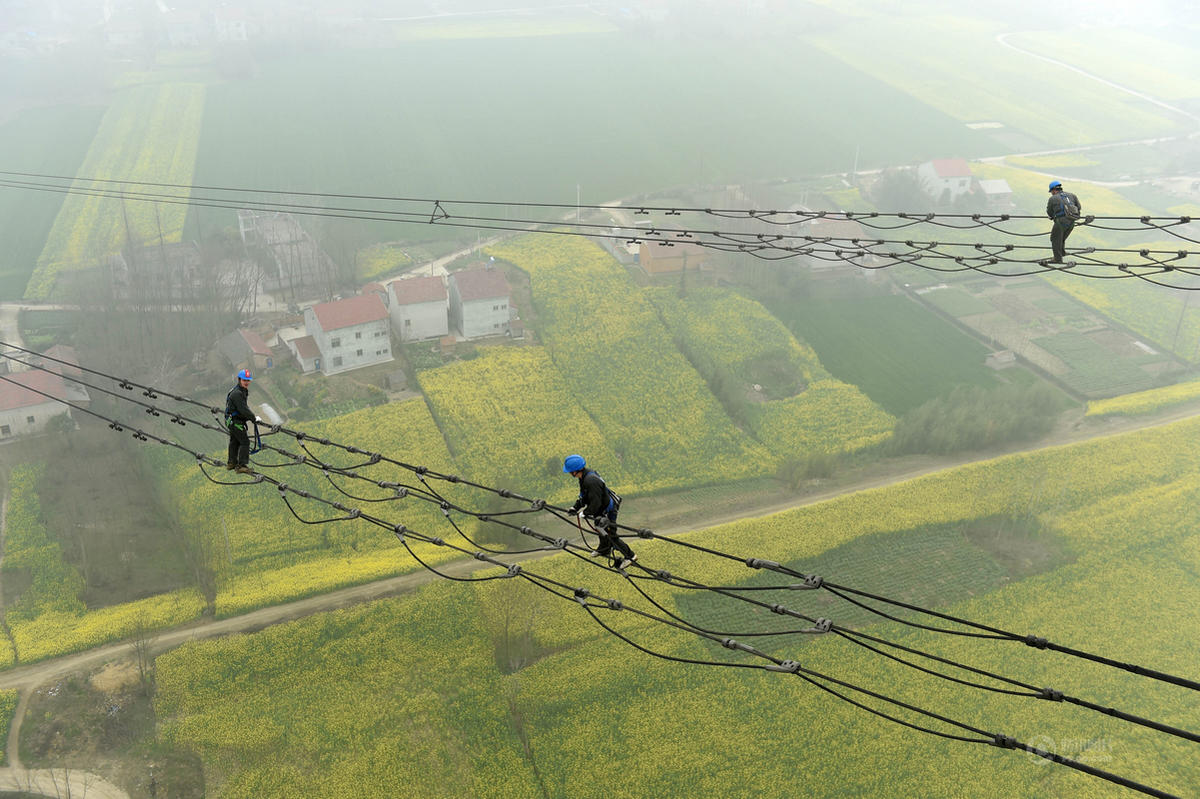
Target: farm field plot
(1055, 541)
(50, 141)
(1138, 59)
(895, 351)
(1145, 401)
(1059, 334)
(1168, 319)
(240, 553)
(1092, 371)
(957, 66)
(768, 379)
(652, 406)
(511, 419)
(416, 133)
(148, 133)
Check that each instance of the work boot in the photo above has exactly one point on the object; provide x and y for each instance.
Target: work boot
(626, 562)
(230, 466)
(243, 469)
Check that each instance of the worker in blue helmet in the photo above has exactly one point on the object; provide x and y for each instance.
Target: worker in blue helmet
(1063, 208)
(599, 505)
(237, 416)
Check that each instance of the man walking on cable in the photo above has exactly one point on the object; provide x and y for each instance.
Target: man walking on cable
(1063, 209)
(237, 416)
(599, 505)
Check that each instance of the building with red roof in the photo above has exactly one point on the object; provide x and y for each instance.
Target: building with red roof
(350, 333)
(29, 400)
(245, 348)
(419, 307)
(945, 179)
(480, 302)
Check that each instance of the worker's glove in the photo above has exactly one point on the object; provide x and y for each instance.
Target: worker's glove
(581, 513)
(258, 420)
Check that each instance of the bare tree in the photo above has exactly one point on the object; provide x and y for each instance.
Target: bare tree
(143, 644)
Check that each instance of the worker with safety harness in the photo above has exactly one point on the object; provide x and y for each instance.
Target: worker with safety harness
(237, 417)
(598, 504)
(1063, 209)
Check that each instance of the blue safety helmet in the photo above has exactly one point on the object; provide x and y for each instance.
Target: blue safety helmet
(573, 463)
(244, 375)
(1055, 184)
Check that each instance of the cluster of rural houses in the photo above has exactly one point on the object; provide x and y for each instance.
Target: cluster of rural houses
(358, 331)
(947, 179)
(336, 337)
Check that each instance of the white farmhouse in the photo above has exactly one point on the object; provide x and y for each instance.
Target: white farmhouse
(943, 175)
(997, 194)
(350, 333)
(24, 406)
(479, 302)
(418, 307)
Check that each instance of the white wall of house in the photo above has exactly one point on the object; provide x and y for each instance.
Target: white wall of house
(419, 320)
(29, 419)
(486, 317)
(351, 347)
(935, 185)
(306, 364)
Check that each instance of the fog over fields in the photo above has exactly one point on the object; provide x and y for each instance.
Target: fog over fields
(896, 472)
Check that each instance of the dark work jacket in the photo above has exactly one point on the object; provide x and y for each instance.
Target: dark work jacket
(237, 406)
(1054, 206)
(594, 497)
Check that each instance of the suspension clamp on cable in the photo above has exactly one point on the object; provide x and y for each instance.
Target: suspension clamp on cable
(399, 531)
(1050, 695)
(787, 666)
(645, 532)
(513, 569)
(1036, 642)
(1004, 741)
(821, 626)
(758, 563)
(581, 595)
(813, 581)
(614, 604)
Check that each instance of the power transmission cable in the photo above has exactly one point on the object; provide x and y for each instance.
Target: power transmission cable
(821, 625)
(808, 580)
(906, 219)
(582, 594)
(760, 245)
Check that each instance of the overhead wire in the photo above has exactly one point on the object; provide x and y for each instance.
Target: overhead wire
(808, 580)
(821, 625)
(591, 602)
(862, 252)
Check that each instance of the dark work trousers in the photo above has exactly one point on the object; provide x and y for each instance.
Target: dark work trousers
(1058, 236)
(607, 527)
(239, 445)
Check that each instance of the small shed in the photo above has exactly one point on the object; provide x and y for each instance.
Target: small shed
(304, 350)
